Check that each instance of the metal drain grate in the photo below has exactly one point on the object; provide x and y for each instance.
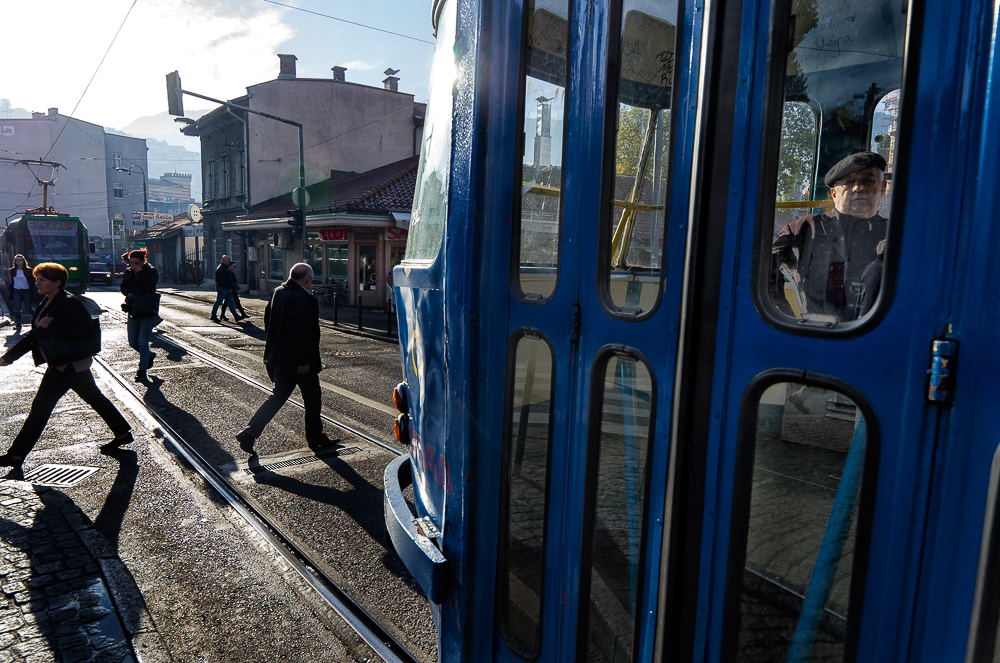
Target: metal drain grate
(257, 469)
(60, 476)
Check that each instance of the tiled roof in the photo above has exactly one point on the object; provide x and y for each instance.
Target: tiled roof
(387, 188)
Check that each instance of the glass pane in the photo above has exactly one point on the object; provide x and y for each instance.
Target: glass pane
(885, 133)
(367, 271)
(336, 264)
(808, 462)
(830, 223)
(527, 475)
(277, 263)
(430, 201)
(616, 539)
(316, 261)
(396, 255)
(642, 147)
(543, 109)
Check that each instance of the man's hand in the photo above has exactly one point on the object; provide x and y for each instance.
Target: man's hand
(44, 322)
(302, 370)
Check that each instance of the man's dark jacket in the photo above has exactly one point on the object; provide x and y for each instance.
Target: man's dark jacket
(291, 319)
(222, 276)
(70, 321)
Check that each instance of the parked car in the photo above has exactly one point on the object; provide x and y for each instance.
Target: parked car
(99, 273)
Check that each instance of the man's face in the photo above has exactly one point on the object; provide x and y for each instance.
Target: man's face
(859, 194)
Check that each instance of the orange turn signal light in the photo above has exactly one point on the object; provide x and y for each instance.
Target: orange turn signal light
(399, 400)
(401, 429)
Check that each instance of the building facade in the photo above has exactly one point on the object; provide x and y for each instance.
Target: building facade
(170, 193)
(249, 161)
(86, 185)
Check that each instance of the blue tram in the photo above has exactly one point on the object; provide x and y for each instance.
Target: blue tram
(679, 383)
(48, 236)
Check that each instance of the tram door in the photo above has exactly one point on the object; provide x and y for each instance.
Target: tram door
(591, 334)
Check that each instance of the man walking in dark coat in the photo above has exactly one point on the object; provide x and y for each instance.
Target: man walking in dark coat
(222, 289)
(291, 355)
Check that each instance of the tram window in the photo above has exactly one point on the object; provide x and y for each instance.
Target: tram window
(808, 453)
(538, 189)
(430, 200)
(825, 251)
(623, 398)
(635, 204)
(527, 451)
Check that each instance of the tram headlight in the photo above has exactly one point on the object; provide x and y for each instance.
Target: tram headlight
(399, 398)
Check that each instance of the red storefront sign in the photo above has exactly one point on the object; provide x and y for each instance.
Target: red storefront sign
(396, 233)
(333, 234)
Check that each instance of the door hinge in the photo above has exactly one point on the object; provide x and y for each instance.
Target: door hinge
(942, 371)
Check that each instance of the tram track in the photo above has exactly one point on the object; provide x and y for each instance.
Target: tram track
(353, 614)
(219, 364)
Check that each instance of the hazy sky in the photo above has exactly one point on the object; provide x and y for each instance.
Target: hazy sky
(218, 46)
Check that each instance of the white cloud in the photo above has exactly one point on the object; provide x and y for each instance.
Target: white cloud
(217, 54)
(359, 64)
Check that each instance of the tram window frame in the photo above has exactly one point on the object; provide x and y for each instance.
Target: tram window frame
(504, 530)
(609, 161)
(781, 33)
(598, 373)
(536, 299)
(741, 501)
(983, 636)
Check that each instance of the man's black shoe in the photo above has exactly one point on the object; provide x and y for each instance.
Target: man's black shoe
(214, 319)
(140, 375)
(224, 318)
(246, 442)
(323, 442)
(118, 442)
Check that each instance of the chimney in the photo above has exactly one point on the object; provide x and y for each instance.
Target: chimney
(338, 73)
(35, 115)
(287, 70)
(391, 81)
(53, 112)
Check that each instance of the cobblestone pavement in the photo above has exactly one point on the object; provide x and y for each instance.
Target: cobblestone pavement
(56, 605)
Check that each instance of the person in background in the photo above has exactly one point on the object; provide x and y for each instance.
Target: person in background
(234, 290)
(60, 317)
(140, 279)
(291, 355)
(222, 288)
(23, 281)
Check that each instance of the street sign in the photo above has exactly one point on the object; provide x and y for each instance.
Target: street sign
(140, 244)
(105, 257)
(194, 213)
(194, 231)
(157, 216)
(136, 222)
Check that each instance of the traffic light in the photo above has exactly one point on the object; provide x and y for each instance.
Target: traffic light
(175, 99)
(297, 221)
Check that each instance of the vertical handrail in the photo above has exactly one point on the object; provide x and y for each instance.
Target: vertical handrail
(830, 550)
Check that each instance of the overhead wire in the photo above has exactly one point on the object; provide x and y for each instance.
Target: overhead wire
(344, 20)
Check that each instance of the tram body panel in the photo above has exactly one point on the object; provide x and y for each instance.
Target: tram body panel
(539, 378)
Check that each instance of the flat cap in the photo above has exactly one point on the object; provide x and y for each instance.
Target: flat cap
(852, 164)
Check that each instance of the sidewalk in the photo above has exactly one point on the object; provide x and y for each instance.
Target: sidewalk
(374, 322)
(65, 595)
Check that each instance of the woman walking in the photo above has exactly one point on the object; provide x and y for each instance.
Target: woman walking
(139, 288)
(23, 281)
(62, 335)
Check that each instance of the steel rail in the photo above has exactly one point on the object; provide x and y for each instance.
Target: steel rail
(381, 642)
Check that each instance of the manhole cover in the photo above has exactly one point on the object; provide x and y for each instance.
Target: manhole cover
(257, 469)
(60, 476)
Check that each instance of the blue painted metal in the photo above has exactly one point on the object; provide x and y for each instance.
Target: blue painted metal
(831, 549)
(419, 552)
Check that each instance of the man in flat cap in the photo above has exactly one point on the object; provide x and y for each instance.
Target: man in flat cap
(825, 255)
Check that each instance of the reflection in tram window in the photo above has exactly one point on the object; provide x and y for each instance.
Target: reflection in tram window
(830, 217)
(641, 143)
(526, 452)
(617, 473)
(808, 457)
(539, 185)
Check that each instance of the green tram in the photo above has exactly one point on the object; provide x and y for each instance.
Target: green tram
(48, 237)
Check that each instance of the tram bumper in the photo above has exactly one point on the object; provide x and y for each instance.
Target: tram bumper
(419, 552)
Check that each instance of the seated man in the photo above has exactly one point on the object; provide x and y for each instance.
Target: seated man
(825, 255)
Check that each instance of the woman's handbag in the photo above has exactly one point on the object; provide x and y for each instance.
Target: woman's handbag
(146, 306)
(59, 351)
